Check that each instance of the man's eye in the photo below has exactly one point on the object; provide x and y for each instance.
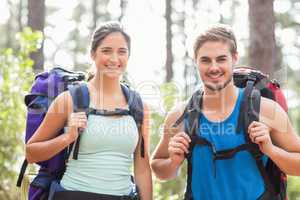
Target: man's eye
(222, 60)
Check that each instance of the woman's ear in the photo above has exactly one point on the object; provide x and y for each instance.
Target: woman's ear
(93, 54)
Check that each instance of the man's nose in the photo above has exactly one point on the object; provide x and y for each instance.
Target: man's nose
(214, 65)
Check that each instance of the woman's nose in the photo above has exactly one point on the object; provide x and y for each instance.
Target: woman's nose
(114, 57)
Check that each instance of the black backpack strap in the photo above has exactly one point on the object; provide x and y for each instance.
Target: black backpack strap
(116, 112)
(22, 172)
(191, 113)
(251, 106)
(136, 110)
(181, 118)
(81, 100)
(245, 103)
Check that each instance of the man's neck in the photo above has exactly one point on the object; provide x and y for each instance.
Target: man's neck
(220, 100)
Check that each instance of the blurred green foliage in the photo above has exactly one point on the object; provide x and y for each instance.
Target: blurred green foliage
(173, 189)
(15, 77)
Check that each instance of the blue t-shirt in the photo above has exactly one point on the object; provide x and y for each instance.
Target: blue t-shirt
(237, 178)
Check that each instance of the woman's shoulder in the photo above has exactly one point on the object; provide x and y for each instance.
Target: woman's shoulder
(63, 103)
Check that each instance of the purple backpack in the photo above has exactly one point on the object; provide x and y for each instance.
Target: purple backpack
(46, 87)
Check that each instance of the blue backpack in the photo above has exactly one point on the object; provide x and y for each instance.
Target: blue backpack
(46, 87)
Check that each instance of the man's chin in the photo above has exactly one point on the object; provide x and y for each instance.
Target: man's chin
(215, 87)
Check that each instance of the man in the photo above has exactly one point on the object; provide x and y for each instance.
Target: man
(215, 53)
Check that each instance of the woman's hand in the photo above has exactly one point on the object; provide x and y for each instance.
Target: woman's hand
(77, 122)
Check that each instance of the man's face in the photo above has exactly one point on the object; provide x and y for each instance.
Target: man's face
(215, 64)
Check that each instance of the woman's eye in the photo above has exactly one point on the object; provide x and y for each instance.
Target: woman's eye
(105, 51)
(123, 52)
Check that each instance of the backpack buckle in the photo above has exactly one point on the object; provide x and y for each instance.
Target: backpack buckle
(190, 110)
(131, 197)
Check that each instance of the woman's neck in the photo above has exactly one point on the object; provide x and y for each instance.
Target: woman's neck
(106, 85)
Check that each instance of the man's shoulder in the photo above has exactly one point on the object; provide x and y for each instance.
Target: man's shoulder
(175, 113)
(271, 112)
(177, 110)
(268, 105)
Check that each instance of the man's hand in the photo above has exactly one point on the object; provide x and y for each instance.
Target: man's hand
(178, 147)
(259, 133)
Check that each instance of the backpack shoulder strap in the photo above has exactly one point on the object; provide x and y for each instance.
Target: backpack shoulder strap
(80, 96)
(191, 114)
(81, 101)
(194, 110)
(251, 79)
(22, 173)
(135, 103)
(252, 110)
(136, 110)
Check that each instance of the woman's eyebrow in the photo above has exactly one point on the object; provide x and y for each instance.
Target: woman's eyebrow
(105, 48)
(123, 48)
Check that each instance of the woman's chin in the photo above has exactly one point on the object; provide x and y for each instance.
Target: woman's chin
(113, 74)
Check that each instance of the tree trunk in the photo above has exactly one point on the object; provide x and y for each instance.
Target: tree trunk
(123, 6)
(222, 20)
(99, 13)
(95, 14)
(182, 23)
(8, 27)
(20, 16)
(36, 20)
(78, 13)
(262, 49)
(169, 54)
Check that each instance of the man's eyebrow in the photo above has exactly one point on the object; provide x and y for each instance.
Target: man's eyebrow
(222, 56)
(204, 57)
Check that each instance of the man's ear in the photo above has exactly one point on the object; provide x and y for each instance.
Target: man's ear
(235, 57)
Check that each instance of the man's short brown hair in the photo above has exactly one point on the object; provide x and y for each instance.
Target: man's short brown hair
(216, 33)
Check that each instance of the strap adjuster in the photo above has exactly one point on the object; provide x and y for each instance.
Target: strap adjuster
(252, 77)
(256, 152)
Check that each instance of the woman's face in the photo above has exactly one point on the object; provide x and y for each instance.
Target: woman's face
(111, 55)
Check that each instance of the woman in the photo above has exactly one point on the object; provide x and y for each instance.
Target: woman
(107, 144)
